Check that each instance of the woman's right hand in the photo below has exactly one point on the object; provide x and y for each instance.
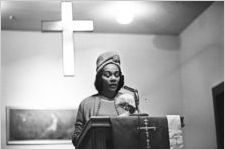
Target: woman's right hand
(126, 114)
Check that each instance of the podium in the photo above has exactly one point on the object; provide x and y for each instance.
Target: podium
(96, 134)
(133, 132)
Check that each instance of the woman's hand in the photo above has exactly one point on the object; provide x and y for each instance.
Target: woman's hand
(127, 113)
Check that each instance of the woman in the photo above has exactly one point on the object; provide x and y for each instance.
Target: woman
(109, 101)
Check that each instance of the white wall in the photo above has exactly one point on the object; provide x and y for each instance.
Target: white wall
(202, 67)
(172, 77)
(32, 71)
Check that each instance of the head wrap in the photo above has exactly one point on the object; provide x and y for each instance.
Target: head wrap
(107, 58)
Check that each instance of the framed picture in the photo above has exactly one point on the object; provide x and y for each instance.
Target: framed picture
(37, 126)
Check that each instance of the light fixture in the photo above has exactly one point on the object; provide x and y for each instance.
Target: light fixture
(124, 17)
(124, 12)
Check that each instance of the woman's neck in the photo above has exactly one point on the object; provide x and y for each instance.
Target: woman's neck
(109, 95)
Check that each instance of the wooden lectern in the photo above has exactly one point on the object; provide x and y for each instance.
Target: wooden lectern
(96, 134)
(133, 132)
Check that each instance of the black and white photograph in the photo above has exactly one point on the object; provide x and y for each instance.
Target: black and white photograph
(112, 74)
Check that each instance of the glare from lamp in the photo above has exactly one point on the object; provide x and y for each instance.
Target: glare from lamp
(124, 12)
(124, 18)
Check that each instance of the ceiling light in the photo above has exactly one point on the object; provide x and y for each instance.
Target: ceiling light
(124, 12)
(124, 18)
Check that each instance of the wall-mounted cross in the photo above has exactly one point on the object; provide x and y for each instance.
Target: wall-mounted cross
(146, 128)
(67, 25)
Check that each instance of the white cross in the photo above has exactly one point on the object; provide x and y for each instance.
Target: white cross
(67, 25)
(146, 128)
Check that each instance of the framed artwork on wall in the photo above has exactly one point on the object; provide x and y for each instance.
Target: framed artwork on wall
(37, 126)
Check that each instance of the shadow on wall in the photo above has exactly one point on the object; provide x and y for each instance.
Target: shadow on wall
(169, 42)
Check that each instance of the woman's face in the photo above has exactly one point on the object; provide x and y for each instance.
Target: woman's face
(111, 78)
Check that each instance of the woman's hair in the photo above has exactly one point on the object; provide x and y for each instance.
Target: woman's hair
(99, 81)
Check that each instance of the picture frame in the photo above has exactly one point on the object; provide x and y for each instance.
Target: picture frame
(39, 126)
